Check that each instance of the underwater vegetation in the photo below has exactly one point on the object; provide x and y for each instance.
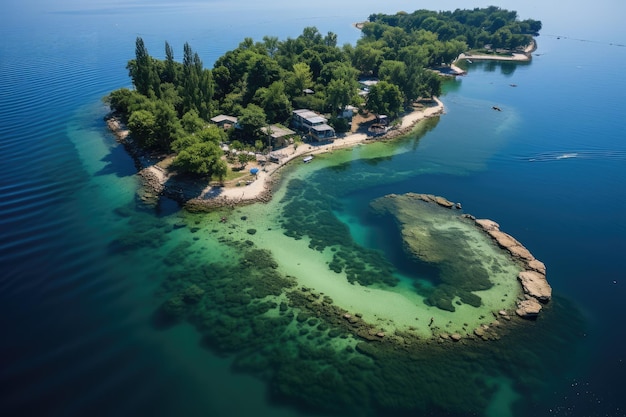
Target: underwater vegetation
(307, 211)
(143, 231)
(314, 355)
(319, 357)
(434, 236)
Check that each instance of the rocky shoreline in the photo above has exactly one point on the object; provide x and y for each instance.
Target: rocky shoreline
(157, 182)
(537, 290)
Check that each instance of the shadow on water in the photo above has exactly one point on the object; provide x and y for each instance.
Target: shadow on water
(118, 163)
(166, 207)
(507, 68)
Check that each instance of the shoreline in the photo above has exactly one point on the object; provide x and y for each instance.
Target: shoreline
(525, 56)
(195, 195)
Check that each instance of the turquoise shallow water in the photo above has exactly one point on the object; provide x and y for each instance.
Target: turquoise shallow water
(79, 335)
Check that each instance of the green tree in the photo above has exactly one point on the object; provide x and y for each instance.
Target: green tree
(311, 36)
(274, 102)
(167, 126)
(252, 119)
(367, 58)
(243, 158)
(271, 45)
(223, 81)
(533, 26)
(120, 100)
(395, 39)
(314, 61)
(452, 49)
(142, 70)
(385, 98)
(394, 72)
(301, 78)
(330, 39)
(338, 70)
(170, 73)
(191, 122)
(142, 127)
(263, 72)
(428, 83)
(213, 134)
(203, 158)
(184, 141)
(339, 93)
(198, 85)
(170, 94)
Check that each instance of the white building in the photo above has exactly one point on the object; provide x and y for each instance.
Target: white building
(314, 124)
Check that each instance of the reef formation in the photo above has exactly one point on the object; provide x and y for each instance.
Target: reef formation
(464, 267)
(321, 355)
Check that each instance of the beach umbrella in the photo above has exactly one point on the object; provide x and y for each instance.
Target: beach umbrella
(254, 171)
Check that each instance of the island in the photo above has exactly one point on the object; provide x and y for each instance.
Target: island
(284, 288)
(215, 137)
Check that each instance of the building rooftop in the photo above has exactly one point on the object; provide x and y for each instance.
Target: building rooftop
(224, 118)
(322, 128)
(278, 131)
(306, 113)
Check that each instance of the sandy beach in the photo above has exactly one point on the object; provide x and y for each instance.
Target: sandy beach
(262, 183)
(250, 189)
(484, 57)
(515, 56)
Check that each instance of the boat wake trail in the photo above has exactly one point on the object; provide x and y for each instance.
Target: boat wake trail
(590, 154)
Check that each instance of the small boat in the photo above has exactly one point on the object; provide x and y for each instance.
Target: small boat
(469, 61)
(496, 108)
(307, 159)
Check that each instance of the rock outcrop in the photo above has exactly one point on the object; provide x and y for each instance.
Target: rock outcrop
(532, 279)
(429, 198)
(430, 241)
(528, 309)
(535, 285)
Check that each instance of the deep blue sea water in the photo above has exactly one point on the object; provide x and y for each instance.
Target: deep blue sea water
(76, 320)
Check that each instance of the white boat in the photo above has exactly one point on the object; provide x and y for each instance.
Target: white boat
(307, 159)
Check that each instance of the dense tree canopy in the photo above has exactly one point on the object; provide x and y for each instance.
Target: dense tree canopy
(261, 82)
(478, 27)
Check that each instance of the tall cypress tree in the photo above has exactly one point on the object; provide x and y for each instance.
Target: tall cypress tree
(140, 69)
(190, 80)
(169, 75)
(198, 85)
(143, 71)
